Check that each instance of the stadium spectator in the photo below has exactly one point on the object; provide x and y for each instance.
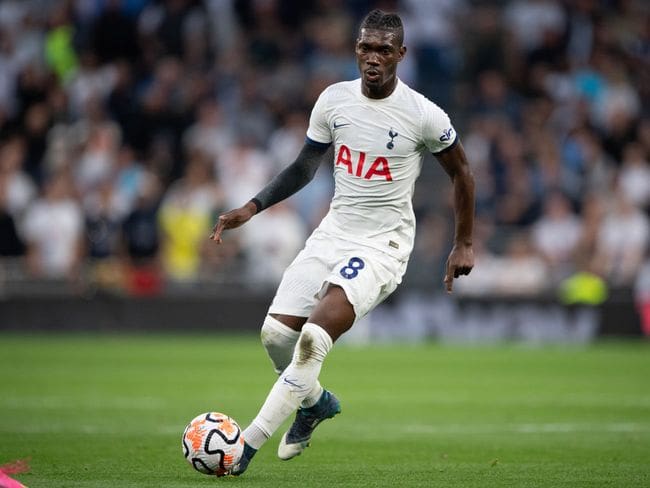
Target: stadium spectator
(18, 188)
(484, 46)
(517, 270)
(53, 228)
(37, 120)
(185, 216)
(90, 83)
(634, 176)
(621, 242)
(96, 163)
(10, 242)
(580, 37)
(593, 213)
(331, 55)
(549, 95)
(495, 98)
(598, 167)
(102, 223)
(272, 243)
(436, 44)
(103, 237)
(531, 21)
(60, 53)
(556, 233)
(516, 201)
(520, 271)
(141, 240)
(210, 134)
(113, 34)
(242, 169)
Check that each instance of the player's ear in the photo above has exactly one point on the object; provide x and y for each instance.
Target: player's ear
(402, 53)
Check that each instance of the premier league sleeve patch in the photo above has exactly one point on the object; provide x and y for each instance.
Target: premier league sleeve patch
(448, 135)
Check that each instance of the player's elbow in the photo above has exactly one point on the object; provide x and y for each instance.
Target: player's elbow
(463, 175)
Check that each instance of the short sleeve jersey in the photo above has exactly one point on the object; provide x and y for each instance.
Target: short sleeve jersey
(379, 145)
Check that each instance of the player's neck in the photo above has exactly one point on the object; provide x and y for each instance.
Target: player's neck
(381, 92)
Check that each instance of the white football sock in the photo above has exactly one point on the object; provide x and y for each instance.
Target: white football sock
(254, 436)
(296, 382)
(279, 341)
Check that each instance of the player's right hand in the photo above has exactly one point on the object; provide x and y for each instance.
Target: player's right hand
(460, 262)
(232, 220)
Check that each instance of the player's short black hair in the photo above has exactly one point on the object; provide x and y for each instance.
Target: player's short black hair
(380, 20)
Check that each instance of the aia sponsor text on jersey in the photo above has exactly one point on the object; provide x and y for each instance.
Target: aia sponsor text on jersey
(360, 167)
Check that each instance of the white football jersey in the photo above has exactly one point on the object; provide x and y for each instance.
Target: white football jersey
(378, 150)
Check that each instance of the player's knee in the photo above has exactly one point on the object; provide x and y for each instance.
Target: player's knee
(313, 345)
(279, 342)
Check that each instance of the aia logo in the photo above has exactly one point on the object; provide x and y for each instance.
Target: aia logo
(446, 134)
(379, 167)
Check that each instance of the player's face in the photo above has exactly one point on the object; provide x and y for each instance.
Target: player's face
(378, 52)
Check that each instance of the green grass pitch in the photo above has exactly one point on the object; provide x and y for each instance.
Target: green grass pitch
(109, 410)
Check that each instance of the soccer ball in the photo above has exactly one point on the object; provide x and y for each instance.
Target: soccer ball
(212, 443)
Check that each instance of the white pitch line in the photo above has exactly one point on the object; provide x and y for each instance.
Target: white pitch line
(406, 431)
(528, 428)
(66, 403)
(90, 429)
(590, 401)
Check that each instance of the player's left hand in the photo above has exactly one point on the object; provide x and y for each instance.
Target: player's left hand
(460, 262)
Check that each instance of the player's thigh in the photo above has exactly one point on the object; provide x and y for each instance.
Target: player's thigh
(297, 294)
(367, 276)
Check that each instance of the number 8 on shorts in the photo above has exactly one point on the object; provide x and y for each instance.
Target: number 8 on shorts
(351, 270)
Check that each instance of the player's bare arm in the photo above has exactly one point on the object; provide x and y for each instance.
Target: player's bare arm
(286, 183)
(461, 258)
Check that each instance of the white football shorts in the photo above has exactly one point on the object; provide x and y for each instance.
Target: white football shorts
(367, 276)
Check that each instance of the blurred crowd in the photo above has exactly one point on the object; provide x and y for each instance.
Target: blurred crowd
(126, 126)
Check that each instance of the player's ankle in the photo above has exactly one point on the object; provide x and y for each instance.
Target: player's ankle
(254, 436)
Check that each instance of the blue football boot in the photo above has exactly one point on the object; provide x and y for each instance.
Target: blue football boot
(246, 457)
(296, 439)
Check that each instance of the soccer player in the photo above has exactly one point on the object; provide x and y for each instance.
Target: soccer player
(357, 256)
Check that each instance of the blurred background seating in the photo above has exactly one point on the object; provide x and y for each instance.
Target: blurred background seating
(126, 126)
